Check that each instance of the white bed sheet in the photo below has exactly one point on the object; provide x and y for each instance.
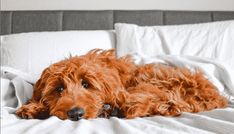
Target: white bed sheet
(216, 121)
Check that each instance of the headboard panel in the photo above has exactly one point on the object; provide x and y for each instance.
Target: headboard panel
(29, 21)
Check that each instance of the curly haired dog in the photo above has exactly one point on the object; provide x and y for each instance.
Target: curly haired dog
(98, 84)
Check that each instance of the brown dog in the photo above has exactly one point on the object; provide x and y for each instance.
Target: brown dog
(86, 86)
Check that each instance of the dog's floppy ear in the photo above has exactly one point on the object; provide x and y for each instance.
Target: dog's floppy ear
(37, 90)
(35, 107)
(40, 85)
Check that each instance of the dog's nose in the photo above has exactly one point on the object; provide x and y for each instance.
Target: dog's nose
(75, 114)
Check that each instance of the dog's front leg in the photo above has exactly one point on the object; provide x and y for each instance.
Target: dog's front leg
(32, 110)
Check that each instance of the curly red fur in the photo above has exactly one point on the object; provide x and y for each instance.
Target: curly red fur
(137, 90)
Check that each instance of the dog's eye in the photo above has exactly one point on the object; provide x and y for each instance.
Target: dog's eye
(85, 84)
(60, 89)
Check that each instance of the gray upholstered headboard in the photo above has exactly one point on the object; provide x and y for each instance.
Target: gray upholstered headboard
(28, 21)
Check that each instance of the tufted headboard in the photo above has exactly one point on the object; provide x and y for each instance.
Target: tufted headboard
(29, 21)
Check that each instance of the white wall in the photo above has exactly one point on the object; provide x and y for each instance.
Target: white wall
(223, 5)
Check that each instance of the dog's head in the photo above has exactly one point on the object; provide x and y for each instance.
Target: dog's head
(79, 87)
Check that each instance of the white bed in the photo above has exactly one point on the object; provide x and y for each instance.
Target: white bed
(22, 63)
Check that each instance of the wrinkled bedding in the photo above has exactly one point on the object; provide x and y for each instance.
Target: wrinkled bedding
(16, 89)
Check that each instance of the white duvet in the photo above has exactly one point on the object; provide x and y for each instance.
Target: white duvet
(16, 89)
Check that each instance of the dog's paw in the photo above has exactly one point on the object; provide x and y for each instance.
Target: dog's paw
(33, 111)
(27, 112)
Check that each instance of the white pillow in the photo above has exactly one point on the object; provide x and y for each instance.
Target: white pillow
(33, 52)
(210, 40)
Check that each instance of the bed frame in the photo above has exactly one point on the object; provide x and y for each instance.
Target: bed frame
(31, 21)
